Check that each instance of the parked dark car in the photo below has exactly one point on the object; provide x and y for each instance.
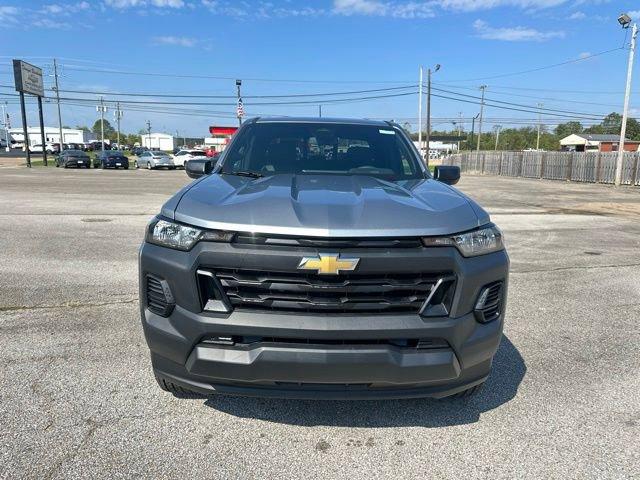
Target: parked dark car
(111, 159)
(137, 151)
(73, 158)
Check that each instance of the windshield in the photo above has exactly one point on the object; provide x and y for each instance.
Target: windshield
(322, 148)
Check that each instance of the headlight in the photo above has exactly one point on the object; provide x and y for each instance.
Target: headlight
(485, 240)
(182, 237)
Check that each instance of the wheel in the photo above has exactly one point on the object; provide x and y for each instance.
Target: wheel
(65, 165)
(176, 390)
(468, 392)
(126, 167)
(149, 166)
(135, 164)
(57, 165)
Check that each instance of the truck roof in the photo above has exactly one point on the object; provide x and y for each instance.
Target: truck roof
(350, 121)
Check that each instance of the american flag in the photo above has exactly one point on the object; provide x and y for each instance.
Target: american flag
(240, 110)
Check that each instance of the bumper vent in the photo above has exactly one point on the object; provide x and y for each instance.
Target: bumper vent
(159, 297)
(489, 304)
(294, 291)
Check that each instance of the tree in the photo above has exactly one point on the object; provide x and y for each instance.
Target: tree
(109, 131)
(569, 128)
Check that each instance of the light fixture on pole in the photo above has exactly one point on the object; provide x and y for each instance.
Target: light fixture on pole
(625, 21)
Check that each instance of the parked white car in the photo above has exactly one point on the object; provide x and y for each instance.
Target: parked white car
(49, 147)
(183, 156)
(151, 159)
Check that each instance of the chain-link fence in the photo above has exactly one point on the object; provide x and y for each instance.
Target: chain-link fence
(594, 167)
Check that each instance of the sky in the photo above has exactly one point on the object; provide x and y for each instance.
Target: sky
(568, 55)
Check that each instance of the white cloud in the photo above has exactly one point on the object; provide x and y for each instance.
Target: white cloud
(634, 14)
(179, 41)
(411, 9)
(577, 16)
(143, 3)
(513, 34)
(8, 14)
(583, 55)
(474, 5)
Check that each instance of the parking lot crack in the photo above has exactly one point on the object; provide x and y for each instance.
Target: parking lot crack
(577, 267)
(72, 305)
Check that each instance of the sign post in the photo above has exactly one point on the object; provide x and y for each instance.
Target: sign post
(28, 79)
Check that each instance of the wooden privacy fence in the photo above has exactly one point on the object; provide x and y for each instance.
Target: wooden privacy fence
(593, 167)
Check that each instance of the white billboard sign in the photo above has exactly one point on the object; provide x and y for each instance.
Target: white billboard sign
(28, 78)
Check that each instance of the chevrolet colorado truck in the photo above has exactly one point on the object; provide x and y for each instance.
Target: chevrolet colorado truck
(319, 258)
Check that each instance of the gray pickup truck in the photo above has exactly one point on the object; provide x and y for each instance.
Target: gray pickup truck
(319, 258)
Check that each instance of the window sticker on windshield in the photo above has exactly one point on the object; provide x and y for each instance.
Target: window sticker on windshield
(388, 132)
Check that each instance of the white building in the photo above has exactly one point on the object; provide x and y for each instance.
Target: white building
(51, 134)
(437, 148)
(158, 141)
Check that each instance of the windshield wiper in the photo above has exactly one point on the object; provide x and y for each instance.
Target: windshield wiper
(245, 173)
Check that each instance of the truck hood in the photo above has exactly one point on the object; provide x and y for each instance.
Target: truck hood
(325, 206)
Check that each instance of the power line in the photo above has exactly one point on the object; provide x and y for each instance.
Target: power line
(519, 104)
(538, 69)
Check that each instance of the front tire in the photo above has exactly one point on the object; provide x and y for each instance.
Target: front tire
(135, 164)
(149, 167)
(176, 390)
(469, 392)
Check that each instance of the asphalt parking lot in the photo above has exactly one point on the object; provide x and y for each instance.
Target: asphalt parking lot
(78, 400)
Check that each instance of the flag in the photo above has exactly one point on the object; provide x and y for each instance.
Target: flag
(240, 110)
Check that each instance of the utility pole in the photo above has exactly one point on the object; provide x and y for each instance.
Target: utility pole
(118, 115)
(459, 129)
(473, 129)
(420, 113)
(539, 126)
(483, 88)
(149, 133)
(5, 122)
(55, 76)
(497, 127)
(101, 108)
(240, 108)
(625, 111)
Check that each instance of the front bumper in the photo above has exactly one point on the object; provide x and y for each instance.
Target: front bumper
(317, 369)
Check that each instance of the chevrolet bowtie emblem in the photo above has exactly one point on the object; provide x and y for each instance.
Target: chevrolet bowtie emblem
(328, 264)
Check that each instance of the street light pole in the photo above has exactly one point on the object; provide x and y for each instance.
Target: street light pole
(420, 112)
(428, 133)
(498, 127)
(625, 111)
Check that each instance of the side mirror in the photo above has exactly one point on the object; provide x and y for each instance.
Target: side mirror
(198, 168)
(447, 174)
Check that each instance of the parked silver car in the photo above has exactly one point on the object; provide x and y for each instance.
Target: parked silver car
(154, 159)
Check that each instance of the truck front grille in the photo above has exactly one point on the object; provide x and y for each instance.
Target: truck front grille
(376, 293)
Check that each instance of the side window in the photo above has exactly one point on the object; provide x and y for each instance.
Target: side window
(408, 167)
(238, 157)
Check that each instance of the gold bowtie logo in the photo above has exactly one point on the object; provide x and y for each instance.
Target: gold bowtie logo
(328, 264)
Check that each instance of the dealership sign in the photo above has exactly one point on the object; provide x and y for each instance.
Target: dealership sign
(28, 78)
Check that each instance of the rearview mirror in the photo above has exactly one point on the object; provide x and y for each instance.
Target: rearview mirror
(198, 168)
(447, 174)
